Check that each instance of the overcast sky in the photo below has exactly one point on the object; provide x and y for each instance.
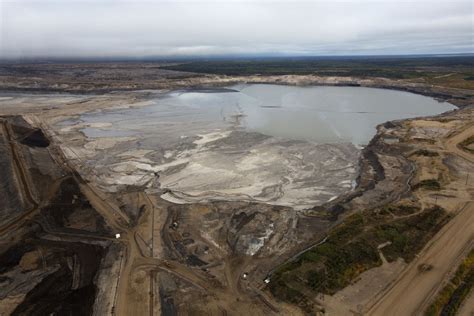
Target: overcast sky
(113, 28)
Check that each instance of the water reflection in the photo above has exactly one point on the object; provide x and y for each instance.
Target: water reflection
(319, 114)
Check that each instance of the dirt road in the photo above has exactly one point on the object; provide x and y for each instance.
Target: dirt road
(413, 290)
(452, 144)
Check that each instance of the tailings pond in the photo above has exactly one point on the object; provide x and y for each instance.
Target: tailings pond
(286, 145)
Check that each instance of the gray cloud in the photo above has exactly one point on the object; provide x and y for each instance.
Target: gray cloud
(104, 28)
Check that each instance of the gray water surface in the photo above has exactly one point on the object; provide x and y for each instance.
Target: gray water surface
(319, 114)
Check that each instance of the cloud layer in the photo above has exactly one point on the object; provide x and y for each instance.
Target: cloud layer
(104, 28)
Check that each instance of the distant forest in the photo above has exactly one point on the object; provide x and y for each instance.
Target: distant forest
(388, 67)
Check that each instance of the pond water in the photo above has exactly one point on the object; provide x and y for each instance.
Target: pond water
(317, 114)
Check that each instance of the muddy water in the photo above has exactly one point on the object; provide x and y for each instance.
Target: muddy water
(319, 114)
(331, 114)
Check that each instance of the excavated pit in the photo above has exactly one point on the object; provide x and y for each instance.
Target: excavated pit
(49, 256)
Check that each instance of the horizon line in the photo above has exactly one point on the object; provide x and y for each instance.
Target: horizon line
(220, 57)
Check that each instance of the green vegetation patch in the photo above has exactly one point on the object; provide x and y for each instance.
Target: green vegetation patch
(351, 248)
(450, 298)
(428, 184)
